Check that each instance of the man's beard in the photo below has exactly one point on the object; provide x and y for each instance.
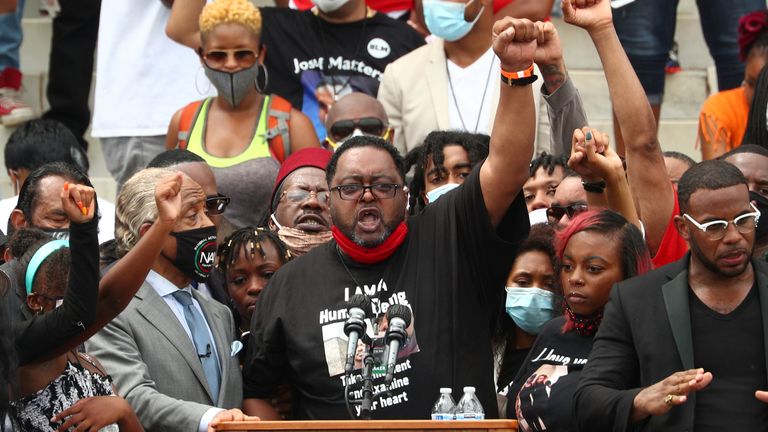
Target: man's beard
(711, 266)
(367, 243)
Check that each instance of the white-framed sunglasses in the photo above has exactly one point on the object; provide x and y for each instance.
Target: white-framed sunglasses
(716, 229)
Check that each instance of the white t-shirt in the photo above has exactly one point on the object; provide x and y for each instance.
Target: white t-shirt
(469, 84)
(142, 76)
(106, 224)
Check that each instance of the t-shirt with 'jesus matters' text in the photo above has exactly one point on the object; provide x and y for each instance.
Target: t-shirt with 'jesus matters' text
(450, 271)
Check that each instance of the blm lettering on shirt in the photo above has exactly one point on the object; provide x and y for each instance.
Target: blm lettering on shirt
(335, 345)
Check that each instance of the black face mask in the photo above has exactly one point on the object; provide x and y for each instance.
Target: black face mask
(196, 252)
(57, 233)
(761, 232)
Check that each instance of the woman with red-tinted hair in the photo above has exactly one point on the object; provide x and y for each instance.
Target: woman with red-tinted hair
(597, 250)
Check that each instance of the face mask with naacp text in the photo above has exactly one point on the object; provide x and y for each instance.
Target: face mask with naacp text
(196, 252)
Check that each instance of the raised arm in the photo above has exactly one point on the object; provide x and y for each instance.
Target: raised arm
(536, 10)
(564, 108)
(594, 159)
(183, 25)
(506, 169)
(118, 286)
(41, 334)
(647, 177)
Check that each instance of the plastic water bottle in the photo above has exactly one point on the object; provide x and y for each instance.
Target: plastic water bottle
(110, 428)
(469, 407)
(445, 406)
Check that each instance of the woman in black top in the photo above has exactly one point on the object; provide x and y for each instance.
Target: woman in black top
(48, 387)
(533, 297)
(597, 250)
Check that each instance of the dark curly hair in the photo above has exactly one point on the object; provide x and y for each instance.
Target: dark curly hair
(476, 146)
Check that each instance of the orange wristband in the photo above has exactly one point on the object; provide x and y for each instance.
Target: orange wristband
(518, 75)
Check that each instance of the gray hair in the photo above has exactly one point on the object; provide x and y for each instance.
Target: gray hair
(136, 206)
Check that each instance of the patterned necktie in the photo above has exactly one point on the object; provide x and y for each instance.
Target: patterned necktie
(202, 340)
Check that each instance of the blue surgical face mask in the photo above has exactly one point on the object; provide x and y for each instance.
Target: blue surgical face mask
(445, 19)
(530, 307)
(434, 194)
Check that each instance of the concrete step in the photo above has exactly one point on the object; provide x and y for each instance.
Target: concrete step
(684, 95)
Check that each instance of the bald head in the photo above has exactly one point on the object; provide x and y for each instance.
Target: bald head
(355, 106)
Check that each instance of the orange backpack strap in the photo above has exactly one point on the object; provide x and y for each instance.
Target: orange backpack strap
(188, 116)
(278, 124)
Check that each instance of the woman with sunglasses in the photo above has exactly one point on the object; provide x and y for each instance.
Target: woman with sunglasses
(596, 250)
(244, 135)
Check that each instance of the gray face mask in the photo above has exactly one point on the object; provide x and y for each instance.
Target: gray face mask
(232, 86)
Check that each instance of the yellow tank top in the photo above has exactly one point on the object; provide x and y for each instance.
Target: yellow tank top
(258, 148)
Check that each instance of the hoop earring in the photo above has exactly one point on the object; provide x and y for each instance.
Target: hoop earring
(262, 72)
(197, 83)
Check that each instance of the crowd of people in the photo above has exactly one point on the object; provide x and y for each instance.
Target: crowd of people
(584, 287)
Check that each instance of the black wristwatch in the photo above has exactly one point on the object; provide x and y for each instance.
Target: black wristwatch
(594, 187)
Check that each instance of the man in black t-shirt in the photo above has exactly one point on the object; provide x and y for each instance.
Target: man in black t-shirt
(315, 57)
(683, 347)
(446, 264)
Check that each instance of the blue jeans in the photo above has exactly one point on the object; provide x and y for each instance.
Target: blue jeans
(10, 37)
(647, 30)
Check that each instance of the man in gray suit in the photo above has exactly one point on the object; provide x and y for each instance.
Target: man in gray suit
(171, 351)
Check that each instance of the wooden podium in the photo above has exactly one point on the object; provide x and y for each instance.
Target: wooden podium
(373, 425)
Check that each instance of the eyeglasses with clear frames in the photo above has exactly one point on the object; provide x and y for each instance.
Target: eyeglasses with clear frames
(353, 192)
(716, 229)
(300, 195)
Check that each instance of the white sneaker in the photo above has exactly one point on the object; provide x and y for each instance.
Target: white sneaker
(13, 111)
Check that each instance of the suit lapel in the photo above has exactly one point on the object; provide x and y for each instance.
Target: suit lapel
(437, 80)
(160, 316)
(220, 339)
(676, 300)
(761, 278)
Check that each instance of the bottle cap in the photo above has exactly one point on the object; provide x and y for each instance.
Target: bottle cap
(446, 390)
(469, 389)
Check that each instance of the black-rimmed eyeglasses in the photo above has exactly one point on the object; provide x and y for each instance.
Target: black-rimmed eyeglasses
(353, 192)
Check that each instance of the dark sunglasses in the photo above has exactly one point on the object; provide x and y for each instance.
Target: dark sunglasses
(218, 59)
(216, 204)
(556, 212)
(367, 125)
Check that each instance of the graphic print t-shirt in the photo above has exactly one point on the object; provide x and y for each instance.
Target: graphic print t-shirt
(311, 62)
(540, 397)
(450, 271)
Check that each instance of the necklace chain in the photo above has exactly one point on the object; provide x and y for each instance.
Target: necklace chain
(482, 99)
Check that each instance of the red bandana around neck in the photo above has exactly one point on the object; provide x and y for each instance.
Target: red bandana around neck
(371, 255)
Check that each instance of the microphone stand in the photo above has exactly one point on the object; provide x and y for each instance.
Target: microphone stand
(367, 401)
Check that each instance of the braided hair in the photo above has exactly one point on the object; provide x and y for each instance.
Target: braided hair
(757, 130)
(476, 146)
(229, 251)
